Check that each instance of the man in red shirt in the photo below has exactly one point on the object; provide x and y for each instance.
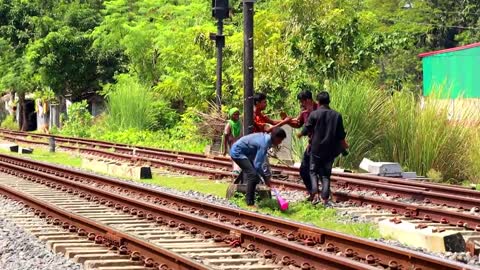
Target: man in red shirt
(260, 120)
(308, 105)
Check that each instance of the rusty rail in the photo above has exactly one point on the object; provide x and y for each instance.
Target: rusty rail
(269, 245)
(152, 154)
(101, 233)
(390, 186)
(159, 204)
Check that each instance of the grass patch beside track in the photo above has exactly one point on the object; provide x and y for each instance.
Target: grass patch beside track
(326, 218)
(45, 156)
(186, 183)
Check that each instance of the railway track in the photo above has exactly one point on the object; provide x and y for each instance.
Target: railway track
(411, 198)
(223, 163)
(216, 162)
(102, 208)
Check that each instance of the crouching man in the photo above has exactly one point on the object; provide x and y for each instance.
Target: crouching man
(250, 153)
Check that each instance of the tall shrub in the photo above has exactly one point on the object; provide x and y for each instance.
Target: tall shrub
(364, 114)
(422, 138)
(129, 105)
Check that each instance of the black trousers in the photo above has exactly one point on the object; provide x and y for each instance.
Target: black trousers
(305, 170)
(320, 170)
(250, 177)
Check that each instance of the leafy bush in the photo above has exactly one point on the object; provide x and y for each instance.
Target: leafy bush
(184, 136)
(79, 120)
(129, 105)
(9, 123)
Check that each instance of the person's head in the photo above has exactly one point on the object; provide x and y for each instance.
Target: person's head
(323, 98)
(234, 114)
(278, 135)
(305, 98)
(260, 101)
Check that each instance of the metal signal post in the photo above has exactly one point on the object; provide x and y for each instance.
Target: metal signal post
(220, 11)
(248, 70)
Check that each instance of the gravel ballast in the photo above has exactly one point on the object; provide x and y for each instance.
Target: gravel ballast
(20, 250)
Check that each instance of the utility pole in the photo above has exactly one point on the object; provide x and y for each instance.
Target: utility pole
(220, 11)
(248, 70)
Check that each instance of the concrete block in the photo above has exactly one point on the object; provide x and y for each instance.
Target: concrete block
(9, 147)
(381, 168)
(408, 234)
(409, 175)
(117, 169)
(26, 150)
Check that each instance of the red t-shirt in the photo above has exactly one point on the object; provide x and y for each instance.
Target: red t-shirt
(302, 119)
(259, 121)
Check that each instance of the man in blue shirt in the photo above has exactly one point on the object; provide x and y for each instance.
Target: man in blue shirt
(250, 153)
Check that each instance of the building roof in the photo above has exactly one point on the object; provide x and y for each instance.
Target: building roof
(473, 45)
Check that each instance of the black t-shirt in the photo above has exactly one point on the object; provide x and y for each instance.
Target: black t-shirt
(326, 125)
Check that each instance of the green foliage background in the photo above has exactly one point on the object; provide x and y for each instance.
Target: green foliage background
(155, 63)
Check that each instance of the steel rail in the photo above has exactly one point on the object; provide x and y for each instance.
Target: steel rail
(383, 254)
(111, 236)
(393, 188)
(270, 246)
(416, 193)
(224, 163)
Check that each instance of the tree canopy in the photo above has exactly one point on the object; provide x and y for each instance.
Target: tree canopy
(78, 46)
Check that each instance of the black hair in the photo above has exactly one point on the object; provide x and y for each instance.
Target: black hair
(279, 133)
(304, 95)
(323, 98)
(258, 97)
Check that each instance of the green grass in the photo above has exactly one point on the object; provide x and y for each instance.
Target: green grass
(326, 218)
(185, 183)
(304, 212)
(45, 156)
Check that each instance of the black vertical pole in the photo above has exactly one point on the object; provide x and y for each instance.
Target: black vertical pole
(220, 43)
(248, 65)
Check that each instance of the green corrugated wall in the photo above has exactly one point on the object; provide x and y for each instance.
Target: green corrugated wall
(457, 72)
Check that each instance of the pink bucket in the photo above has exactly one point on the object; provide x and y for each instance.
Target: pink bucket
(282, 203)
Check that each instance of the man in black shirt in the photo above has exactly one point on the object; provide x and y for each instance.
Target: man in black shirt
(328, 141)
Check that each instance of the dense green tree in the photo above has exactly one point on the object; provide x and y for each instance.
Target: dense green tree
(76, 46)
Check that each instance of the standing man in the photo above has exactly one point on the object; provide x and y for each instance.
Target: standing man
(260, 120)
(231, 133)
(308, 105)
(328, 141)
(250, 154)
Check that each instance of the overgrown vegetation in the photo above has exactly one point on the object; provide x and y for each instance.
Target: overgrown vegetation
(79, 120)
(155, 63)
(130, 106)
(9, 123)
(423, 139)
